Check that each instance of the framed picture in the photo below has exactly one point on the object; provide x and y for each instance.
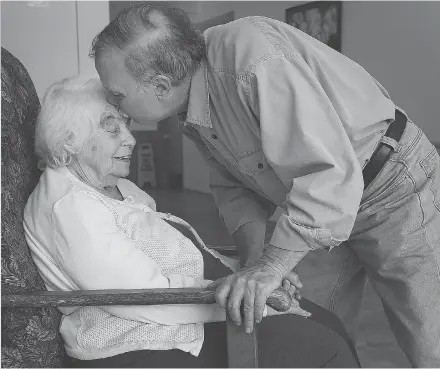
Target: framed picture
(319, 19)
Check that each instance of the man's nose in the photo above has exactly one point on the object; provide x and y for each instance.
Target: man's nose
(112, 101)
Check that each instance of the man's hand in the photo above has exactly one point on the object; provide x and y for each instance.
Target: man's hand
(293, 288)
(252, 286)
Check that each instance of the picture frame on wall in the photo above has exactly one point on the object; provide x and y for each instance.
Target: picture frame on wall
(319, 19)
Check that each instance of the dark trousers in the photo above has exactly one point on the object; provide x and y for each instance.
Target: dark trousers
(283, 341)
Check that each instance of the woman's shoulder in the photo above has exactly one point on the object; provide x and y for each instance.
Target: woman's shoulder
(52, 186)
(128, 185)
(57, 195)
(130, 190)
(58, 186)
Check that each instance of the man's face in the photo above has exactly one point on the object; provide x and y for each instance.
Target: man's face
(140, 104)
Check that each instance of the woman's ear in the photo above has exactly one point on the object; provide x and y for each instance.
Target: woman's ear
(70, 154)
(161, 87)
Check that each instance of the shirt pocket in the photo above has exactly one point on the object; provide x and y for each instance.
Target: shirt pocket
(264, 180)
(253, 162)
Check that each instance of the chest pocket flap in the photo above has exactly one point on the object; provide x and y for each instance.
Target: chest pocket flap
(253, 162)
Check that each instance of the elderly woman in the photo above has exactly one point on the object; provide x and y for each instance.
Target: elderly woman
(89, 228)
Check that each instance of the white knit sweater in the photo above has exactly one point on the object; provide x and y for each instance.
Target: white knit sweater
(81, 239)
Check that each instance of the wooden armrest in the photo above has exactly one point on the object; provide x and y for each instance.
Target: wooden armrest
(279, 300)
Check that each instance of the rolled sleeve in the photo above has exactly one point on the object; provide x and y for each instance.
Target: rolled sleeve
(305, 142)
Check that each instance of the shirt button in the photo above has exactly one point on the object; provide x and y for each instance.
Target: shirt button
(214, 136)
(260, 166)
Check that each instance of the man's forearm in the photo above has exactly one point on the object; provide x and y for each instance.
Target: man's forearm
(249, 239)
(283, 261)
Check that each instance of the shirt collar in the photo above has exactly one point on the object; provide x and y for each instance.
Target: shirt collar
(198, 107)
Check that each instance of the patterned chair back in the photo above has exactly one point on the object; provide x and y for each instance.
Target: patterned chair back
(30, 337)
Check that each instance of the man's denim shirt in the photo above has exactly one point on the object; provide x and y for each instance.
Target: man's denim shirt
(284, 120)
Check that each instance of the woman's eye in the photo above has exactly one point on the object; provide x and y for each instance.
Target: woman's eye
(111, 126)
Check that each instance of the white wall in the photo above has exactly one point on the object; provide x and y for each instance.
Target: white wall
(398, 42)
(43, 38)
(52, 38)
(93, 16)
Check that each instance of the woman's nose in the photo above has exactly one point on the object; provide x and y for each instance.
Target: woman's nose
(129, 139)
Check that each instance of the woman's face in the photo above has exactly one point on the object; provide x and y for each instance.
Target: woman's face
(106, 155)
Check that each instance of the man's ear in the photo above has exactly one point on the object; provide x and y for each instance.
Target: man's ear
(161, 87)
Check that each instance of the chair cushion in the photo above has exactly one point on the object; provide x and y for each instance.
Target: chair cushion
(30, 337)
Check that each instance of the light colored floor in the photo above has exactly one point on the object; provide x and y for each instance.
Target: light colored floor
(377, 347)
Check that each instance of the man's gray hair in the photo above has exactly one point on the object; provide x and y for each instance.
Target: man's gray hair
(69, 112)
(156, 39)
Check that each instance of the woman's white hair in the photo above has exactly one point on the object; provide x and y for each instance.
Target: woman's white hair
(70, 111)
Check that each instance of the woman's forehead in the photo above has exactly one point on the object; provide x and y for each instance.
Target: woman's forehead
(112, 113)
(101, 108)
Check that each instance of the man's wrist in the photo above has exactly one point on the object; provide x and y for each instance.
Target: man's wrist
(280, 260)
(249, 239)
(252, 257)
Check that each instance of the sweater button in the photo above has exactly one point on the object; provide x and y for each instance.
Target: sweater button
(214, 136)
(260, 166)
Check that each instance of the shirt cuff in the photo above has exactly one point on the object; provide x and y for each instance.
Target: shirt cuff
(289, 235)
